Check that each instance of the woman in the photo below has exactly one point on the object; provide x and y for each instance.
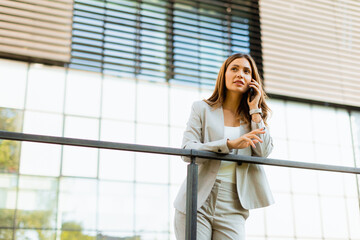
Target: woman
(230, 121)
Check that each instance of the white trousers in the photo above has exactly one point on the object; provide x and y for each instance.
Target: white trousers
(221, 217)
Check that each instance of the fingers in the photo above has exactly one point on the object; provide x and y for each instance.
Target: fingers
(251, 142)
(258, 131)
(253, 136)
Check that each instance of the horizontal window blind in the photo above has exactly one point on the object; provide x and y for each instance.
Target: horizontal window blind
(39, 30)
(179, 40)
(311, 49)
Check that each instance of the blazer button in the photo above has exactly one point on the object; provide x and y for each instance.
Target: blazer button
(219, 150)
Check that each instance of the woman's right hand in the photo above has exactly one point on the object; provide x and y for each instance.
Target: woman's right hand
(246, 140)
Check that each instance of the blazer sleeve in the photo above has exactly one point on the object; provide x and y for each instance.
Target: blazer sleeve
(265, 148)
(193, 136)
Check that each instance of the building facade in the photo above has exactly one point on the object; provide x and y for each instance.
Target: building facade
(128, 71)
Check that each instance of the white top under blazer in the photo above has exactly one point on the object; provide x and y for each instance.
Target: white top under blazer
(227, 170)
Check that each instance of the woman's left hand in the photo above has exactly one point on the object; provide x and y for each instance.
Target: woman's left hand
(254, 103)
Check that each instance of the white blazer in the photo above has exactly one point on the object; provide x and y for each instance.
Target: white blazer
(205, 131)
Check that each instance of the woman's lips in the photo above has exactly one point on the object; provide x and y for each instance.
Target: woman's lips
(239, 83)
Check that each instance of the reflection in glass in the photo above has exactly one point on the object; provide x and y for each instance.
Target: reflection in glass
(37, 203)
(38, 234)
(10, 120)
(77, 204)
(78, 235)
(8, 185)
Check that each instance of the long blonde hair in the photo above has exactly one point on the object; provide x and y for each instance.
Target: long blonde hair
(218, 97)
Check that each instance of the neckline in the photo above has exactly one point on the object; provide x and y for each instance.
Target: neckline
(232, 127)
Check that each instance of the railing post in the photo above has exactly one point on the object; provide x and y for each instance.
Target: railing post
(191, 199)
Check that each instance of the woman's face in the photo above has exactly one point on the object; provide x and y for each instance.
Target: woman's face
(238, 75)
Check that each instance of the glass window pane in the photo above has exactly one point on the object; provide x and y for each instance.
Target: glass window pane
(43, 123)
(327, 153)
(12, 81)
(10, 120)
(75, 158)
(343, 126)
(176, 136)
(355, 123)
(181, 99)
(40, 159)
(350, 186)
(255, 224)
(45, 88)
(116, 131)
(334, 218)
(304, 181)
(277, 120)
(116, 165)
(307, 216)
(77, 204)
(37, 202)
(83, 93)
(118, 98)
(154, 135)
(280, 150)
(279, 178)
(78, 235)
(152, 168)
(324, 118)
(331, 183)
(6, 233)
(116, 206)
(299, 128)
(279, 217)
(152, 203)
(353, 217)
(297, 153)
(178, 170)
(8, 183)
(79, 127)
(152, 103)
(35, 234)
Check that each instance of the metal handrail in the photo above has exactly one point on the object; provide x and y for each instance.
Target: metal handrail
(192, 174)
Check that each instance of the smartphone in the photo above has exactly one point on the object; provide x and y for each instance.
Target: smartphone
(251, 92)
